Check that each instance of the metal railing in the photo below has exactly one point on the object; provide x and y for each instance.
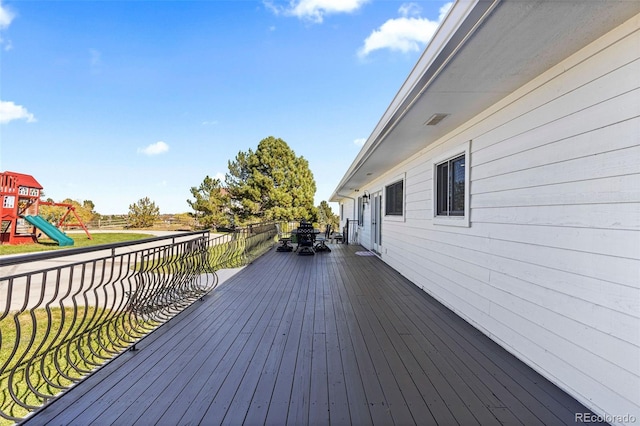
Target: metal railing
(243, 245)
(65, 313)
(350, 232)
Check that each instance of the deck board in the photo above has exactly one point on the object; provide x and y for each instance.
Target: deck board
(334, 338)
(466, 405)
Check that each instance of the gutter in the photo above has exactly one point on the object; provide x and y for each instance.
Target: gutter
(354, 203)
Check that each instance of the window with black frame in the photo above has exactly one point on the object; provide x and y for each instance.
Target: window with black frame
(360, 211)
(394, 199)
(450, 187)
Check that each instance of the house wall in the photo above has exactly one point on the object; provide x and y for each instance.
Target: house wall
(550, 265)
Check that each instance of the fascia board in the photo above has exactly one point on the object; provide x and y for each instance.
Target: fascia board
(429, 60)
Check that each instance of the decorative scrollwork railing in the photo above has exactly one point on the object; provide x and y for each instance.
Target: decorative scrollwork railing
(243, 245)
(65, 313)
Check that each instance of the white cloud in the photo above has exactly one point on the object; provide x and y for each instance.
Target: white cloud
(360, 141)
(315, 10)
(8, 45)
(408, 33)
(6, 16)
(154, 149)
(444, 10)
(409, 9)
(220, 176)
(9, 111)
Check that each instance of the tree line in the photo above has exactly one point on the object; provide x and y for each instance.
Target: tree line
(271, 183)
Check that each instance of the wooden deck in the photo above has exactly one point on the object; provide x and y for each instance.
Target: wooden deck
(335, 338)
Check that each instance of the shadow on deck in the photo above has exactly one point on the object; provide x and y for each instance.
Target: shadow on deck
(334, 338)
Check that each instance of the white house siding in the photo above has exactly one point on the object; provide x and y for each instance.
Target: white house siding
(550, 266)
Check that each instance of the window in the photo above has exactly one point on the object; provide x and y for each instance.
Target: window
(8, 202)
(451, 187)
(360, 212)
(394, 201)
(23, 190)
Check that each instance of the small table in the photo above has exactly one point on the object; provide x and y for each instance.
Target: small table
(315, 232)
(307, 249)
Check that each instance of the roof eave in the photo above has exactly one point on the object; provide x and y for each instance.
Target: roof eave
(455, 25)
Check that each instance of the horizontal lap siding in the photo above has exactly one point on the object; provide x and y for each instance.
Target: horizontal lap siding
(550, 267)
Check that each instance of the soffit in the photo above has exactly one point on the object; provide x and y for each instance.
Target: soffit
(515, 43)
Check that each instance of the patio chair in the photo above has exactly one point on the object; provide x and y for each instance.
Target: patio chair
(322, 239)
(285, 241)
(336, 236)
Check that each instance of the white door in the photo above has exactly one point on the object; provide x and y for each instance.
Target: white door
(376, 221)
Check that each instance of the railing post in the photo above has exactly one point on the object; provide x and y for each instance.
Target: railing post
(346, 233)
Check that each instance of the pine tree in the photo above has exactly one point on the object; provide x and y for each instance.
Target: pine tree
(271, 183)
(143, 213)
(326, 217)
(211, 203)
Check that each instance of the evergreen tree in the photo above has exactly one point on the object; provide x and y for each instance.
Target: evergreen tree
(211, 204)
(143, 213)
(326, 217)
(271, 183)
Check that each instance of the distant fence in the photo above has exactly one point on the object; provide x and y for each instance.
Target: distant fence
(123, 223)
(70, 311)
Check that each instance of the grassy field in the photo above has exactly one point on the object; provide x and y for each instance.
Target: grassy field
(66, 359)
(80, 240)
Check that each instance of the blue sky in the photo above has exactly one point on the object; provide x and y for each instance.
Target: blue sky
(113, 101)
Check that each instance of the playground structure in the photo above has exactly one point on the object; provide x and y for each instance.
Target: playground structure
(71, 209)
(19, 212)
